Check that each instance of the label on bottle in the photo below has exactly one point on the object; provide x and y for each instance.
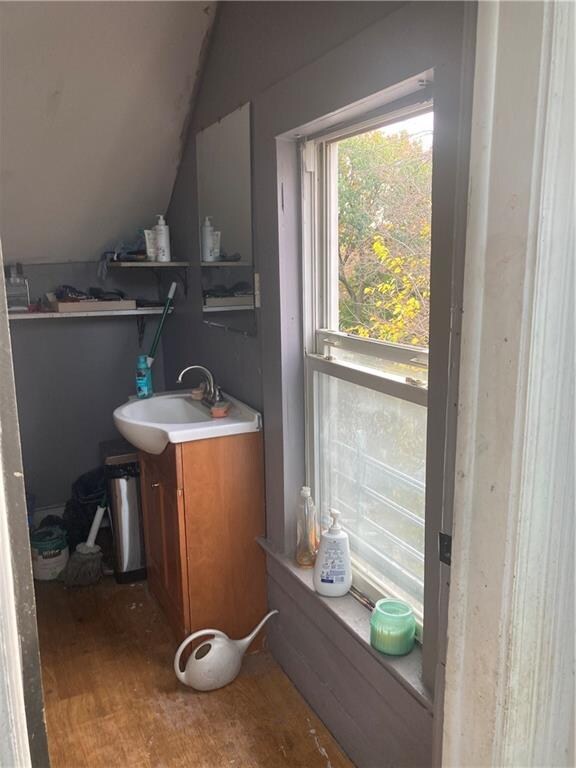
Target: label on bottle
(143, 383)
(333, 569)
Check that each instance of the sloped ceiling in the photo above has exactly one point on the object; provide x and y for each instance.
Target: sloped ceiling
(94, 98)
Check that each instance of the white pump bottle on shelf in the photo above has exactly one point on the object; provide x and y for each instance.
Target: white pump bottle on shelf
(207, 240)
(162, 239)
(333, 569)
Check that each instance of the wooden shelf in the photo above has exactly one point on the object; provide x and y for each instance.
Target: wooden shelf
(207, 264)
(228, 308)
(179, 269)
(149, 264)
(73, 315)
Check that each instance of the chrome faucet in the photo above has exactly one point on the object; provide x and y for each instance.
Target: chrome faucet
(212, 392)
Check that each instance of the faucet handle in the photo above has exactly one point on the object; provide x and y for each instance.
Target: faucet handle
(218, 398)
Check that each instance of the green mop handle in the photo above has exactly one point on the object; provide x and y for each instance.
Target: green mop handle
(156, 341)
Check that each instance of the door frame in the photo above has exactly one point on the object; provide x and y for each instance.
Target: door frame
(509, 694)
(25, 742)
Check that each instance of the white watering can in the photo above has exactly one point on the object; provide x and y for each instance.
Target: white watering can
(216, 662)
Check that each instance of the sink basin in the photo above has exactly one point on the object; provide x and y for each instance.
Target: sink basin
(174, 417)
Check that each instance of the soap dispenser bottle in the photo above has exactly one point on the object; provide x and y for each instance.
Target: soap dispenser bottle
(333, 569)
(162, 239)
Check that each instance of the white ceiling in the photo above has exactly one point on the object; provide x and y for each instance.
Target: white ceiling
(94, 97)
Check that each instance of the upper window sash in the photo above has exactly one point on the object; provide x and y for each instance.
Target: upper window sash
(319, 177)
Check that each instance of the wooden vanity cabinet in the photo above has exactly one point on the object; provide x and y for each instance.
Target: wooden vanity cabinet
(203, 509)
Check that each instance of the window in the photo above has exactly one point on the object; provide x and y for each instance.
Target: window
(367, 229)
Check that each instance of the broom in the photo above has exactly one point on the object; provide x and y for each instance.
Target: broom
(85, 564)
(156, 341)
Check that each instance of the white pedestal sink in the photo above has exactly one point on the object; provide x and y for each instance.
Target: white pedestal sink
(173, 417)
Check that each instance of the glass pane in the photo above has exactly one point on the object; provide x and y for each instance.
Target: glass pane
(384, 224)
(371, 466)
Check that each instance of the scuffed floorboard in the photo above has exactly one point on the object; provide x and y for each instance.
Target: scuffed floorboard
(112, 698)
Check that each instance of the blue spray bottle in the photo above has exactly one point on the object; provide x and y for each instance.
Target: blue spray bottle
(143, 377)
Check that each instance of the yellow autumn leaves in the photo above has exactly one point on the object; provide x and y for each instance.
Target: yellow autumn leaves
(384, 233)
(401, 300)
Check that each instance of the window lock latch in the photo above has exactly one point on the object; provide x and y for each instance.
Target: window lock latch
(445, 548)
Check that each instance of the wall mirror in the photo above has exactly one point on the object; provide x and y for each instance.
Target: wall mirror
(225, 222)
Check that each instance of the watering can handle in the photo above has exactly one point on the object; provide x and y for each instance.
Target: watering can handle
(188, 640)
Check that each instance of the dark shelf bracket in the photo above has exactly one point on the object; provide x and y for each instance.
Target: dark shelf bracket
(141, 326)
(181, 275)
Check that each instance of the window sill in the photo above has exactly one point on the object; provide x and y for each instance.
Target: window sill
(355, 618)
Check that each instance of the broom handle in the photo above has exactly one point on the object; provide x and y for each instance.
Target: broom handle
(95, 526)
(169, 298)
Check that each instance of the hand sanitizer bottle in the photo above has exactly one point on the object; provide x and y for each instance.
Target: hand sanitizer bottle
(333, 569)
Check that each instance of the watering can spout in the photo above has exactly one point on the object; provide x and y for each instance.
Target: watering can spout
(245, 642)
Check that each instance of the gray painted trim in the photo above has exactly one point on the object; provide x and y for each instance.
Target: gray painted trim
(20, 547)
(462, 138)
(453, 104)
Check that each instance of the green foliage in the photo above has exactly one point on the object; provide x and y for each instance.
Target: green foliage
(384, 201)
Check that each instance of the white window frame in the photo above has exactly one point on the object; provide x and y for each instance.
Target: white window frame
(320, 307)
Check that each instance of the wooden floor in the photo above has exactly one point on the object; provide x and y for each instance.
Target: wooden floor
(112, 698)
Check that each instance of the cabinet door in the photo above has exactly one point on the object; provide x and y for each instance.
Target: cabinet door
(163, 513)
(224, 497)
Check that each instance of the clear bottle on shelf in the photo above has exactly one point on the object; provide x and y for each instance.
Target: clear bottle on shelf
(307, 530)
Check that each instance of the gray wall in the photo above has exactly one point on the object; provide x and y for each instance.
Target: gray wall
(70, 375)
(296, 63)
(254, 45)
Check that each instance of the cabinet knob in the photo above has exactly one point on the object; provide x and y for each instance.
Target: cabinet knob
(155, 485)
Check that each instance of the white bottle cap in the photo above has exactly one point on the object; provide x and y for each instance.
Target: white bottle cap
(161, 222)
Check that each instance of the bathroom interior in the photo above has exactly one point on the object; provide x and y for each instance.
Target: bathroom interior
(232, 232)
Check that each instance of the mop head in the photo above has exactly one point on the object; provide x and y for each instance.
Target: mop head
(84, 566)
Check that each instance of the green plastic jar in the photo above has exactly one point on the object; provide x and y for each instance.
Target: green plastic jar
(392, 627)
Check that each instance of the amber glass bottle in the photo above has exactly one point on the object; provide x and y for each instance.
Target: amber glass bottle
(307, 531)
